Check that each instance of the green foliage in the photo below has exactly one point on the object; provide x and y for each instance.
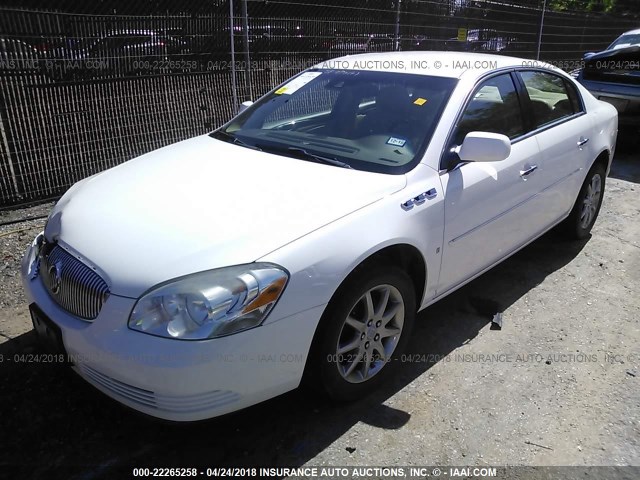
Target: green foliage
(604, 6)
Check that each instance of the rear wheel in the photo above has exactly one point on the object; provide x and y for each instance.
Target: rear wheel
(585, 211)
(363, 331)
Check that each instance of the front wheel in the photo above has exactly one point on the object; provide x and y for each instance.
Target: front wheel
(363, 331)
(580, 221)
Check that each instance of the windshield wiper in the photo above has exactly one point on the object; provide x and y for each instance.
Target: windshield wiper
(306, 155)
(228, 137)
(319, 158)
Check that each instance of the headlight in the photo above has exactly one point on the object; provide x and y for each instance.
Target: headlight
(30, 261)
(210, 304)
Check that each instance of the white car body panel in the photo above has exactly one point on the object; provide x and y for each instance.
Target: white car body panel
(320, 261)
(561, 167)
(149, 236)
(488, 210)
(202, 204)
(179, 380)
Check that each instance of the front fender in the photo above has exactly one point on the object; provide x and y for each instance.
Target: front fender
(320, 261)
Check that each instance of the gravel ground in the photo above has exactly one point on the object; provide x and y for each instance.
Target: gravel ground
(15, 235)
(559, 384)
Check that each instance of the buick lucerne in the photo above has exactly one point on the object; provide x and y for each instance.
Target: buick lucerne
(299, 240)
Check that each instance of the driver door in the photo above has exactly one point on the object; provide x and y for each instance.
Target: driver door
(489, 206)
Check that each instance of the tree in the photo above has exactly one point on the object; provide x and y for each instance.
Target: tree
(615, 7)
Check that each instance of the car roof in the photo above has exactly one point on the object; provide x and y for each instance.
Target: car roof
(632, 32)
(441, 64)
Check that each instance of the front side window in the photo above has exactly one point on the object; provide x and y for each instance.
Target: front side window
(367, 120)
(550, 100)
(494, 107)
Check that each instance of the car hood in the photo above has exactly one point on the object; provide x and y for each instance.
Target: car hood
(629, 53)
(202, 204)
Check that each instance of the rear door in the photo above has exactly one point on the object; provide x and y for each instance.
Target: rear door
(562, 130)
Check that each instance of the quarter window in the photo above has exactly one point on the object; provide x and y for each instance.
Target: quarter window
(550, 100)
(494, 108)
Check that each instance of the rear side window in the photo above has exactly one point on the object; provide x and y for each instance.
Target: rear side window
(494, 108)
(550, 99)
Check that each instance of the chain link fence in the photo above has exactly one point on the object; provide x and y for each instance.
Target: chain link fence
(86, 86)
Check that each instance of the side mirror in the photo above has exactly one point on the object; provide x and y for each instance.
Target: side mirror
(244, 106)
(484, 147)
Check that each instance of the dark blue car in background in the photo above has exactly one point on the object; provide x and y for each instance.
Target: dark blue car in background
(613, 76)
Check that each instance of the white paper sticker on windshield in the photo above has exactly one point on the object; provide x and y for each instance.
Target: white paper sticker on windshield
(398, 142)
(297, 83)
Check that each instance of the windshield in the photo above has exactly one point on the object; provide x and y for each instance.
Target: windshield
(374, 121)
(626, 41)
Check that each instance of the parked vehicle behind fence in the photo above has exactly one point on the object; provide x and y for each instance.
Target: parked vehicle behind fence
(114, 54)
(17, 57)
(361, 44)
(613, 76)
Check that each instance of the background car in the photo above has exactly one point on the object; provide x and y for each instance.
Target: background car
(484, 40)
(420, 42)
(613, 76)
(363, 44)
(115, 53)
(627, 39)
(17, 56)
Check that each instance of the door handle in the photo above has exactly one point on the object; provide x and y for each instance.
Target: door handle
(582, 141)
(528, 171)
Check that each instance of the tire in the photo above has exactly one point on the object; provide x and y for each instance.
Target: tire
(362, 333)
(585, 211)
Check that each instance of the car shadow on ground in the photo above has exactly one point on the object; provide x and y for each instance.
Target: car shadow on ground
(58, 420)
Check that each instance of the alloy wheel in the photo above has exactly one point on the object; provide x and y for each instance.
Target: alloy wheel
(370, 333)
(591, 201)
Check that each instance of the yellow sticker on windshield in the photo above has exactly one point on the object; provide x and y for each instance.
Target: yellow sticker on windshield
(280, 91)
(420, 101)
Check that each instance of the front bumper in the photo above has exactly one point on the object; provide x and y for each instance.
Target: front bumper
(174, 379)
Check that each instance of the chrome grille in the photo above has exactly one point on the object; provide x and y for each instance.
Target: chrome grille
(72, 284)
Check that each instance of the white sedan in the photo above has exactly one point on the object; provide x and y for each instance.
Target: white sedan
(300, 239)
